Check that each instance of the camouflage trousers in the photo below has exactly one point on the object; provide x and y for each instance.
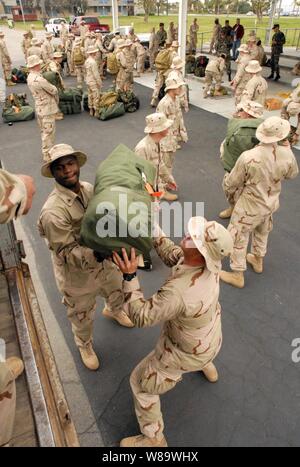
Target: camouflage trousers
(6, 66)
(210, 78)
(100, 64)
(168, 158)
(79, 70)
(242, 225)
(148, 381)
(152, 57)
(7, 405)
(47, 126)
(159, 82)
(140, 64)
(93, 96)
(71, 69)
(124, 80)
(106, 282)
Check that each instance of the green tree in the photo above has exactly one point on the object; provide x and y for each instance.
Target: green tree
(259, 7)
(148, 7)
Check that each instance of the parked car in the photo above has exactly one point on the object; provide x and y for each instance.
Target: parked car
(92, 22)
(54, 25)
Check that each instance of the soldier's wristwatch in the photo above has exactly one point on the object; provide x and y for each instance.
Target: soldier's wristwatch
(129, 277)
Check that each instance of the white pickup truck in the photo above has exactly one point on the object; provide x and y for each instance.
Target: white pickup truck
(54, 25)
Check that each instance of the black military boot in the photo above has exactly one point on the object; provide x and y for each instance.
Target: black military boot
(277, 77)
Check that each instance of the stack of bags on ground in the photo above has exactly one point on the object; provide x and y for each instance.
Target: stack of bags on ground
(70, 99)
(17, 109)
(114, 104)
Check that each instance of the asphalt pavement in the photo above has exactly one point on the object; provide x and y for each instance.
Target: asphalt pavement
(257, 399)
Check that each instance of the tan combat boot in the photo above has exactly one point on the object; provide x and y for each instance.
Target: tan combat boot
(142, 441)
(211, 373)
(153, 102)
(226, 214)
(233, 278)
(256, 262)
(59, 116)
(15, 365)
(120, 317)
(169, 196)
(91, 112)
(10, 83)
(88, 357)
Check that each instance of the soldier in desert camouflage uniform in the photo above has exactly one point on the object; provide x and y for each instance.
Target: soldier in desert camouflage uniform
(257, 87)
(257, 175)
(149, 148)
(188, 306)
(126, 60)
(79, 276)
(169, 107)
(241, 77)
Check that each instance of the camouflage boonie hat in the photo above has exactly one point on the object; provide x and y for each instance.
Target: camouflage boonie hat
(251, 107)
(212, 240)
(157, 122)
(57, 152)
(272, 130)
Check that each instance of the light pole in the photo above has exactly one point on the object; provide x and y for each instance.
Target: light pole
(182, 20)
(271, 21)
(22, 11)
(115, 15)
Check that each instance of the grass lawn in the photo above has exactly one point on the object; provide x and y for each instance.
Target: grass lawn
(205, 22)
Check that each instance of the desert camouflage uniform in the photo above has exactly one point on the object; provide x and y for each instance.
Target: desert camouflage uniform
(126, 60)
(69, 47)
(254, 52)
(79, 69)
(26, 44)
(12, 188)
(241, 77)
(34, 50)
(89, 42)
(191, 337)
(93, 82)
(63, 35)
(258, 174)
(47, 51)
(100, 54)
(153, 49)
(214, 72)
(169, 107)
(46, 107)
(161, 76)
(256, 90)
(151, 151)
(79, 277)
(7, 403)
(140, 54)
(5, 60)
(182, 102)
(194, 28)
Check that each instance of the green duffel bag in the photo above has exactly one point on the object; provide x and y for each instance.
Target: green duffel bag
(70, 95)
(24, 114)
(119, 187)
(70, 108)
(53, 78)
(113, 111)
